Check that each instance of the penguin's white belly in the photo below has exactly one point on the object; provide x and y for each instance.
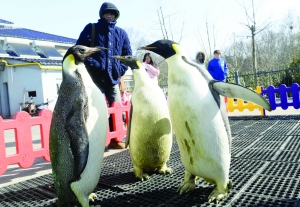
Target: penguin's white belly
(199, 127)
(151, 131)
(96, 125)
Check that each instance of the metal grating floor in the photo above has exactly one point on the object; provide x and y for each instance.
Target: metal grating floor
(265, 171)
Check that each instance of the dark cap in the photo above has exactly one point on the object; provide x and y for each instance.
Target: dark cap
(107, 6)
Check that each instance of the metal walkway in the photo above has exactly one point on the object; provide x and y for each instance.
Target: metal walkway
(264, 169)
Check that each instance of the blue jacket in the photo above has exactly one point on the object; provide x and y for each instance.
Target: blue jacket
(218, 69)
(104, 69)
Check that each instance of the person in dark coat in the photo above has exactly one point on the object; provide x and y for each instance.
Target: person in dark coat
(105, 70)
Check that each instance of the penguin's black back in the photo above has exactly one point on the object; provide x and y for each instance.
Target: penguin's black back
(70, 102)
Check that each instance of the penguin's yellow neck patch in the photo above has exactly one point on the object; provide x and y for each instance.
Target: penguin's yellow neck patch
(139, 64)
(69, 62)
(177, 48)
(140, 74)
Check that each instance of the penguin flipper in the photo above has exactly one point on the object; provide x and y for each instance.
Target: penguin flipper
(232, 90)
(129, 126)
(78, 135)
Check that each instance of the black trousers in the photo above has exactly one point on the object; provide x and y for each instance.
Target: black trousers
(112, 94)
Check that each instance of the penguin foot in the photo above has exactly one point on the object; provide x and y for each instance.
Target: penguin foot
(143, 176)
(165, 170)
(186, 187)
(92, 196)
(216, 195)
(189, 183)
(229, 185)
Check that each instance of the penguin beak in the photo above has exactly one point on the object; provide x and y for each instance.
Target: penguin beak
(96, 49)
(93, 50)
(146, 48)
(100, 48)
(119, 57)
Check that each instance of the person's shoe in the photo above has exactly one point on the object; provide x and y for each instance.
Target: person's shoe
(116, 145)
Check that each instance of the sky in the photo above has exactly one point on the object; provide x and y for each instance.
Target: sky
(223, 17)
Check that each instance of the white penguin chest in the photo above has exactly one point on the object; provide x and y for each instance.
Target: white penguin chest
(196, 118)
(96, 126)
(150, 123)
(149, 106)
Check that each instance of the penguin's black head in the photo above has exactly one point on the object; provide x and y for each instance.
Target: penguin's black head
(81, 52)
(164, 48)
(130, 61)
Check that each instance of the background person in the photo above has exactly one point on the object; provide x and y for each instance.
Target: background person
(200, 58)
(151, 67)
(217, 67)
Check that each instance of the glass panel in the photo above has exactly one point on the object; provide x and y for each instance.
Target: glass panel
(2, 51)
(23, 49)
(12, 53)
(50, 51)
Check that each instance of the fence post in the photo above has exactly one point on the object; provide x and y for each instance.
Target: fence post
(237, 77)
(3, 160)
(283, 95)
(287, 82)
(295, 95)
(271, 91)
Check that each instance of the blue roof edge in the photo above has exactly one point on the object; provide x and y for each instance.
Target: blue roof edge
(35, 35)
(5, 21)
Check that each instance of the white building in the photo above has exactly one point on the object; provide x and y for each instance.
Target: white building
(30, 66)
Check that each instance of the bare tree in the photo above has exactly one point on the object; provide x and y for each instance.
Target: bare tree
(162, 25)
(236, 53)
(206, 36)
(167, 29)
(275, 48)
(251, 25)
(201, 41)
(209, 46)
(137, 39)
(235, 57)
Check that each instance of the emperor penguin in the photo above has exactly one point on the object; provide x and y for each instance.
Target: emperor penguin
(78, 131)
(149, 134)
(199, 118)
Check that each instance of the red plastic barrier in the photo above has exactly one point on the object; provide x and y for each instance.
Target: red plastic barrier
(116, 112)
(22, 123)
(25, 154)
